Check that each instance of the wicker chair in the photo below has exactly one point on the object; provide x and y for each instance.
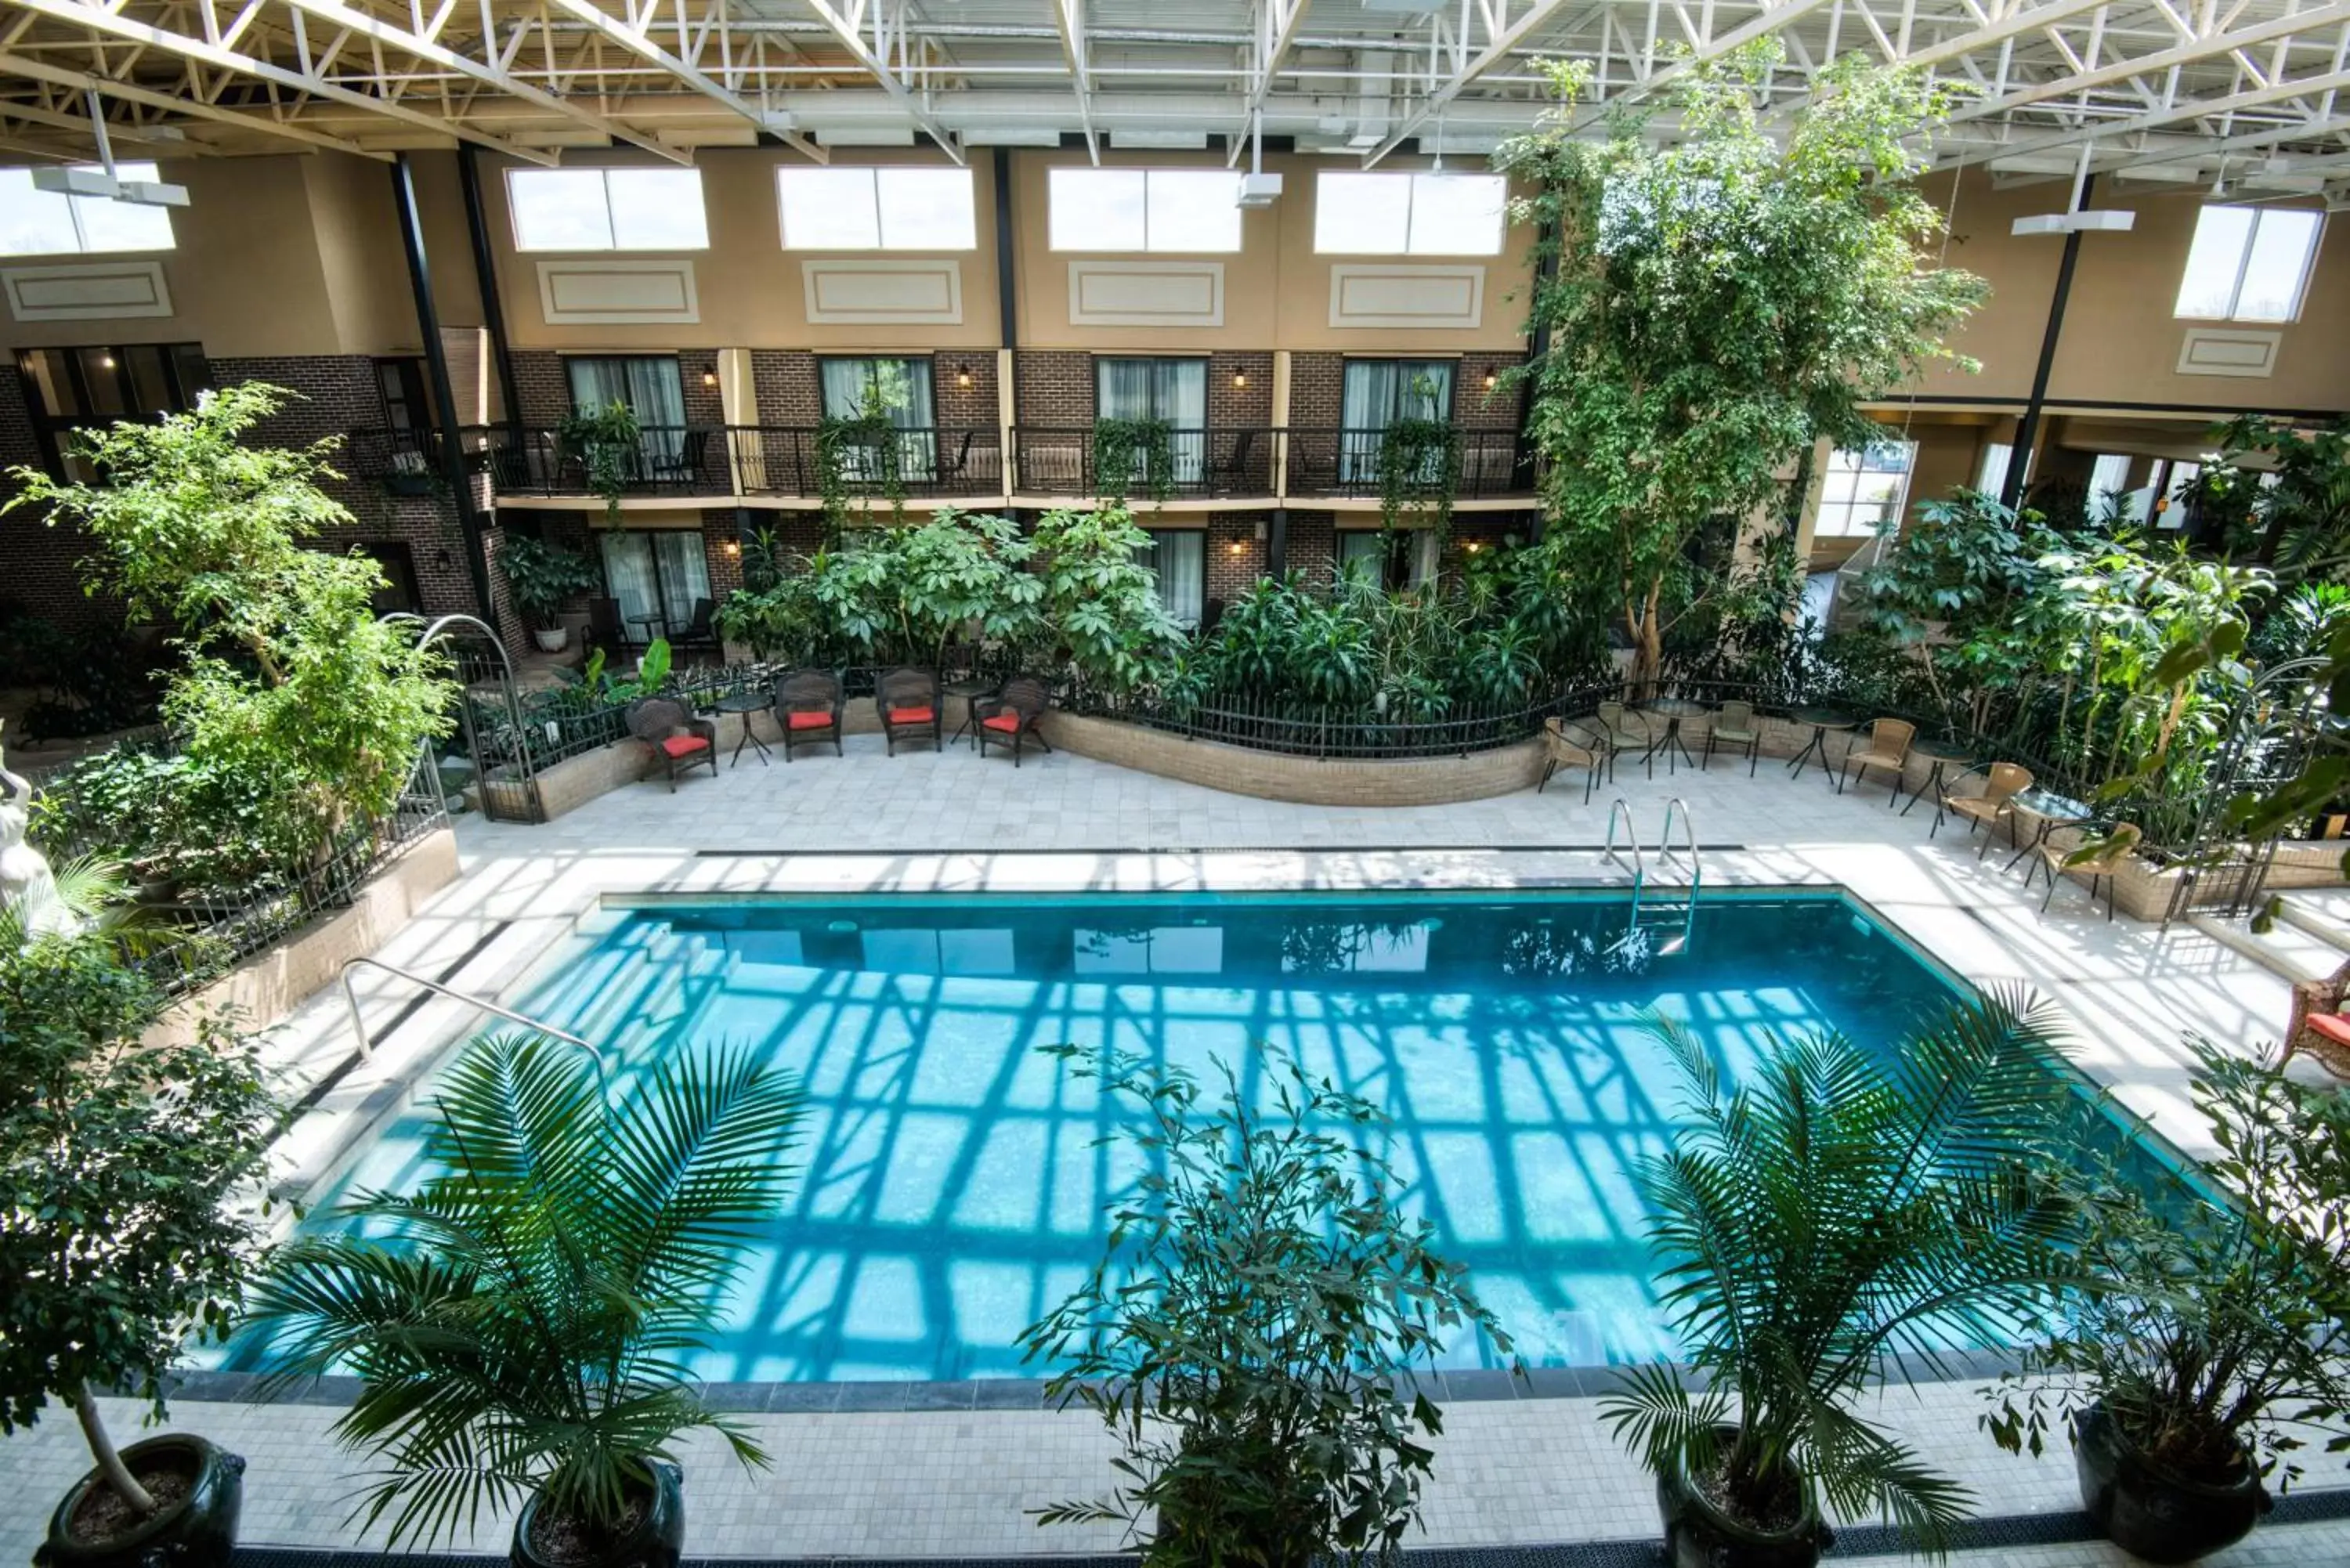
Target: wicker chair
(909, 703)
(658, 721)
(1574, 746)
(808, 709)
(1009, 718)
(1616, 722)
(2001, 784)
(1888, 748)
(2318, 1025)
(1735, 724)
(2102, 866)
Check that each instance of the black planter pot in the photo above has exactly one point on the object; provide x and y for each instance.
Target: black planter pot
(1699, 1535)
(197, 1531)
(2151, 1513)
(656, 1543)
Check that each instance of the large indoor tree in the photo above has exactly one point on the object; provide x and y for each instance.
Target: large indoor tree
(1718, 305)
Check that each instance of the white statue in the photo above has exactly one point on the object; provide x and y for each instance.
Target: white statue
(27, 885)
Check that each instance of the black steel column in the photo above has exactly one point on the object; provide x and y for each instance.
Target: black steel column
(436, 366)
(2027, 429)
(1276, 544)
(1008, 294)
(486, 273)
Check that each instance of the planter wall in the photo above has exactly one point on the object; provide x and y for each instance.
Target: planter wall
(1309, 781)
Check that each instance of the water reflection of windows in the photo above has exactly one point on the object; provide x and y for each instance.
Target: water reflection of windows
(1309, 947)
(1152, 949)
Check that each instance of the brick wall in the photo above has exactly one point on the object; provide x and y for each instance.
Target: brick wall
(542, 386)
(1054, 387)
(1235, 556)
(1249, 406)
(1318, 384)
(783, 383)
(791, 392)
(42, 574)
(1313, 551)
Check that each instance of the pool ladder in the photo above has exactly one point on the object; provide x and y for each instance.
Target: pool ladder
(1660, 918)
(367, 1046)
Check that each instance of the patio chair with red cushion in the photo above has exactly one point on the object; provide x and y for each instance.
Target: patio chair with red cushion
(808, 709)
(1009, 718)
(2318, 1025)
(909, 701)
(679, 739)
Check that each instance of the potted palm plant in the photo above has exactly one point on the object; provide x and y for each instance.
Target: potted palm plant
(1845, 1206)
(121, 1235)
(2209, 1335)
(519, 1324)
(542, 578)
(1252, 1330)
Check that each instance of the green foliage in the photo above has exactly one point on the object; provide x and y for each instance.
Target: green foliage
(1419, 466)
(543, 577)
(1720, 304)
(608, 444)
(1249, 1331)
(1133, 454)
(520, 1323)
(1845, 1204)
(898, 595)
(2210, 1332)
(862, 454)
(2304, 518)
(86, 681)
(1100, 601)
(123, 1175)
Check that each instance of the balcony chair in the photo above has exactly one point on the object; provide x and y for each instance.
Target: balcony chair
(1734, 724)
(1573, 746)
(2001, 783)
(807, 709)
(952, 471)
(698, 635)
(1010, 717)
(604, 629)
(679, 739)
(908, 702)
(1888, 748)
(1615, 721)
(678, 465)
(1234, 475)
(2102, 866)
(2318, 1025)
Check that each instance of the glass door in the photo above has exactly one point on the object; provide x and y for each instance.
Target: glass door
(1377, 393)
(1173, 391)
(902, 389)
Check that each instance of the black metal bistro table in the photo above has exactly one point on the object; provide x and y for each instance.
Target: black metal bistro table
(1672, 710)
(2054, 810)
(654, 625)
(1822, 720)
(1942, 753)
(746, 704)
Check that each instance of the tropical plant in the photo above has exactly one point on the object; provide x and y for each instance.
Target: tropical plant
(901, 593)
(2213, 1334)
(1719, 303)
(862, 454)
(1100, 602)
(520, 1325)
(606, 443)
(1134, 454)
(1419, 465)
(124, 1167)
(1250, 1329)
(543, 577)
(1843, 1205)
(2305, 516)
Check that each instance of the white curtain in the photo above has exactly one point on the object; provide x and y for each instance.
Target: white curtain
(1178, 562)
(1403, 559)
(654, 391)
(629, 574)
(911, 408)
(1378, 392)
(1175, 391)
(663, 574)
(684, 572)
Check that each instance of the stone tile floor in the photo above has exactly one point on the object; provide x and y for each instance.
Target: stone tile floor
(1532, 1471)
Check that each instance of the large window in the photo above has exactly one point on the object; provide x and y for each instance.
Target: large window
(653, 389)
(48, 223)
(1376, 393)
(67, 389)
(2248, 263)
(660, 578)
(1393, 559)
(1178, 562)
(876, 209)
(607, 208)
(1174, 391)
(1408, 215)
(902, 390)
(1194, 210)
(1864, 489)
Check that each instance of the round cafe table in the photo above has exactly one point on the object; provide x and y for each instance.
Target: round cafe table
(1822, 720)
(1942, 753)
(2054, 810)
(746, 704)
(1672, 710)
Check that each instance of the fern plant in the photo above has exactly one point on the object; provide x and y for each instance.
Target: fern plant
(521, 1324)
(1845, 1206)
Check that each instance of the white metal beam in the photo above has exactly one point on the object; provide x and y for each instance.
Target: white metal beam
(104, 20)
(426, 49)
(1069, 18)
(1738, 37)
(1274, 30)
(131, 92)
(844, 28)
(81, 124)
(2219, 147)
(2217, 43)
(2193, 108)
(2018, 22)
(641, 45)
(1503, 40)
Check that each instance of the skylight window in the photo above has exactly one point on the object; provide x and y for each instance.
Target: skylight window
(2248, 263)
(876, 209)
(49, 224)
(1408, 215)
(1166, 210)
(607, 208)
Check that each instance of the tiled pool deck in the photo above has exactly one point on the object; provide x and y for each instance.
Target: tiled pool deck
(955, 1483)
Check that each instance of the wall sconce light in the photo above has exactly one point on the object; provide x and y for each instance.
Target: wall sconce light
(1490, 380)
(1237, 547)
(1473, 546)
(107, 360)
(1240, 378)
(710, 378)
(963, 375)
(734, 547)
(440, 559)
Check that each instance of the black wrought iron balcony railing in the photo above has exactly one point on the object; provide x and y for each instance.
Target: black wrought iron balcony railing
(910, 461)
(664, 460)
(1092, 461)
(1361, 462)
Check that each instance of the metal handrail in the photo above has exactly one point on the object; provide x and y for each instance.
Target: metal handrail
(1697, 867)
(367, 1048)
(1621, 811)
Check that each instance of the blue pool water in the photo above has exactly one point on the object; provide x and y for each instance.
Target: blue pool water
(952, 1183)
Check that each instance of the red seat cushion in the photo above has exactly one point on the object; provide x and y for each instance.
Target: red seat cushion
(1004, 723)
(2333, 1025)
(913, 715)
(804, 719)
(684, 745)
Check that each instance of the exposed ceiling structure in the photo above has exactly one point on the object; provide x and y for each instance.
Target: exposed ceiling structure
(2244, 94)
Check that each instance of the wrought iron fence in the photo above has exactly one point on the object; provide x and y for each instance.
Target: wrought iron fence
(1221, 460)
(1294, 726)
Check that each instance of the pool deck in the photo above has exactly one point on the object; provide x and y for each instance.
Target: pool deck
(956, 1482)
